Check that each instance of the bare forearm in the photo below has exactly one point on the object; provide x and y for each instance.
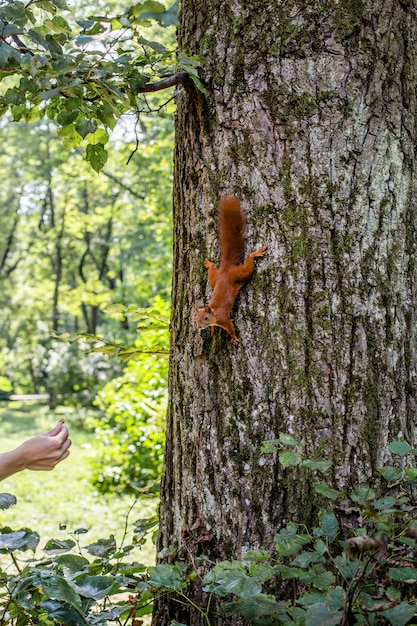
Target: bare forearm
(10, 463)
(42, 452)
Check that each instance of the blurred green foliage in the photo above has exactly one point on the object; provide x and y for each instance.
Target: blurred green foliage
(86, 256)
(134, 406)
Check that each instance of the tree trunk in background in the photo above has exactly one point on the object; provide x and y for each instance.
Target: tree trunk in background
(310, 119)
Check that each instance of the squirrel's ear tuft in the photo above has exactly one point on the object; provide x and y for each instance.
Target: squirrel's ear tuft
(208, 309)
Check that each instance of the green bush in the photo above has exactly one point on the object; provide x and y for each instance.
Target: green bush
(360, 572)
(357, 566)
(71, 584)
(133, 405)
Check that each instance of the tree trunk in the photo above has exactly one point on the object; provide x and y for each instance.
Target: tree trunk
(310, 119)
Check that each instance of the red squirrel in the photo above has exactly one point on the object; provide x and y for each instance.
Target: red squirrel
(232, 274)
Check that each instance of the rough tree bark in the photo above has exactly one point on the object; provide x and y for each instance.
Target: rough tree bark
(309, 118)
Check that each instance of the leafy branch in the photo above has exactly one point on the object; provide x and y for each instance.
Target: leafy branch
(84, 74)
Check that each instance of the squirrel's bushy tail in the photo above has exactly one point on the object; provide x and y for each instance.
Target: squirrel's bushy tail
(232, 225)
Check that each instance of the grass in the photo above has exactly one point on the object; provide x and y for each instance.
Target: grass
(47, 501)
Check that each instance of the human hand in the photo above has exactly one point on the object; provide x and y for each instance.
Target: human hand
(45, 451)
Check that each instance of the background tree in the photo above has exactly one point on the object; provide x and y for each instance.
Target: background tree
(310, 119)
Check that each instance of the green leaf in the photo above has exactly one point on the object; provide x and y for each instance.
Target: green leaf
(95, 587)
(400, 447)
(288, 542)
(261, 572)
(96, 155)
(403, 574)
(230, 577)
(334, 598)
(109, 349)
(57, 588)
(391, 474)
(387, 502)
(100, 135)
(67, 116)
(47, 95)
(18, 111)
(321, 614)
(74, 563)
(85, 126)
(318, 577)
(325, 490)
(58, 546)
(4, 55)
(115, 23)
(12, 96)
(23, 539)
(411, 473)
(103, 547)
(305, 559)
(270, 446)
(47, 6)
(329, 526)
(401, 614)
(125, 354)
(288, 440)
(289, 459)
(7, 500)
(148, 6)
(363, 494)
(257, 606)
(70, 136)
(166, 576)
(321, 466)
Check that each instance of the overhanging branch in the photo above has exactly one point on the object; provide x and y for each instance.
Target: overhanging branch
(170, 81)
